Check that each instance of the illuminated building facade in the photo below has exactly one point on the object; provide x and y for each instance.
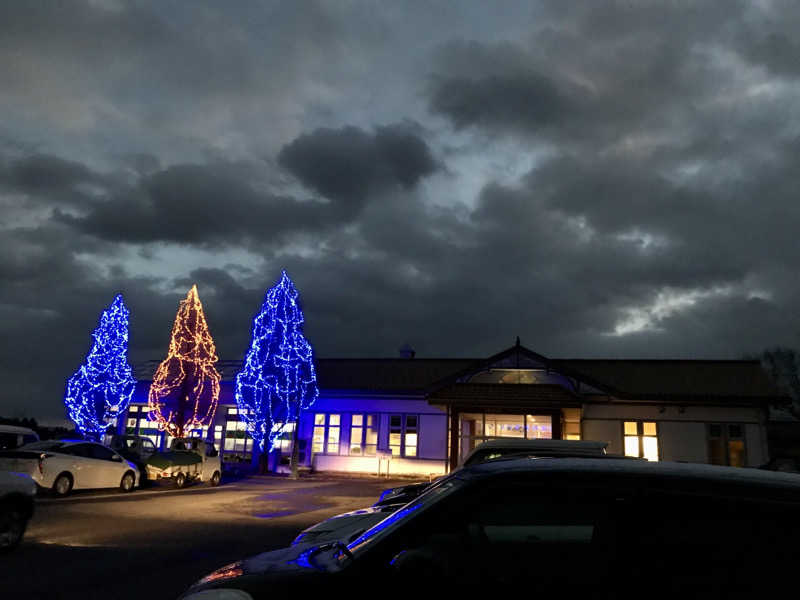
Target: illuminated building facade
(422, 416)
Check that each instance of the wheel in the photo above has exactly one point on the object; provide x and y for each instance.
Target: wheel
(12, 526)
(214, 481)
(127, 483)
(180, 480)
(63, 484)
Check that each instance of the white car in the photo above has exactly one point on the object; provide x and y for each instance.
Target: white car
(66, 465)
(16, 508)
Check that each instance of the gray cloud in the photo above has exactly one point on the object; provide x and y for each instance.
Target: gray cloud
(347, 164)
(619, 178)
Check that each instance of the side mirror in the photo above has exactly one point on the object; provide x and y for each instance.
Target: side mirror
(116, 458)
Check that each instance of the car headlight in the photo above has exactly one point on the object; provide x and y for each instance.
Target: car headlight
(219, 595)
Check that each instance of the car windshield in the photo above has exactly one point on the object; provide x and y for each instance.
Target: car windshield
(398, 518)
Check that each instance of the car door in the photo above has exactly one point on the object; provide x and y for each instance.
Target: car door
(107, 466)
(75, 458)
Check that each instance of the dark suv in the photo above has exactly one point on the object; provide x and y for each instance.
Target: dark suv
(599, 528)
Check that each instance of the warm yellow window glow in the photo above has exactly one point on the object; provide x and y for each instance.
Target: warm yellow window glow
(650, 446)
(631, 428)
(573, 436)
(649, 428)
(631, 445)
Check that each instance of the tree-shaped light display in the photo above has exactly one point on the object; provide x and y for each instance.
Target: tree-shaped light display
(277, 379)
(102, 387)
(185, 390)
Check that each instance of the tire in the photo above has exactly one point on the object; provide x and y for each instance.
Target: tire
(180, 480)
(13, 521)
(215, 479)
(62, 486)
(128, 482)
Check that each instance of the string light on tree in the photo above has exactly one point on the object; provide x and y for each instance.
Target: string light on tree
(278, 379)
(102, 388)
(185, 390)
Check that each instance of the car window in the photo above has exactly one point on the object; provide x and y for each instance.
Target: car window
(147, 447)
(400, 518)
(82, 450)
(101, 452)
(501, 528)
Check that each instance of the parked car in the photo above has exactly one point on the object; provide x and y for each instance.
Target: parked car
(598, 528)
(188, 459)
(346, 526)
(12, 437)
(135, 448)
(66, 465)
(17, 491)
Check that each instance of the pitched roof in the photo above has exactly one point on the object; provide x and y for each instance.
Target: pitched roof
(640, 379)
(686, 378)
(374, 374)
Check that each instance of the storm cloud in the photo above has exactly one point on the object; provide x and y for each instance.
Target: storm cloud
(603, 179)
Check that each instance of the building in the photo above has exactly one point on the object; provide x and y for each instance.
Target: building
(422, 416)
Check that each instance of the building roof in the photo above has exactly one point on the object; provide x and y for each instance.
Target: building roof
(653, 379)
(625, 379)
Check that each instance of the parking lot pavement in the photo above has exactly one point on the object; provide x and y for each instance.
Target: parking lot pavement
(154, 543)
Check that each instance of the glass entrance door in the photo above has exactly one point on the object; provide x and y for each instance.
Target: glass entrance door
(475, 428)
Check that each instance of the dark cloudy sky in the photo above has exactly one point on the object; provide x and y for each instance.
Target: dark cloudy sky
(602, 179)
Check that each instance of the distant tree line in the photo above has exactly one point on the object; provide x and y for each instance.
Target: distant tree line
(783, 365)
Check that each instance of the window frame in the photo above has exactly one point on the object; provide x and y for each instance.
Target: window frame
(364, 427)
(326, 427)
(403, 433)
(640, 435)
(725, 437)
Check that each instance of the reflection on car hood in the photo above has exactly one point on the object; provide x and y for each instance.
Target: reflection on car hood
(340, 526)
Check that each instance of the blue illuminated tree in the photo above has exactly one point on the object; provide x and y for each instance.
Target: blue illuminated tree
(278, 379)
(101, 389)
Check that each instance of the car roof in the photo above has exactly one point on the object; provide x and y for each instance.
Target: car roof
(634, 468)
(573, 447)
(17, 429)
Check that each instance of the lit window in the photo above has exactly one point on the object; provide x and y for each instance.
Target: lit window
(641, 439)
(395, 434)
(326, 433)
(726, 444)
(333, 434)
(285, 437)
(356, 435)
(318, 441)
(371, 436)
(411, 436)
(403, 435)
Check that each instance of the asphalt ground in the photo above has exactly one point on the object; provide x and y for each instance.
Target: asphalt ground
(154, 543)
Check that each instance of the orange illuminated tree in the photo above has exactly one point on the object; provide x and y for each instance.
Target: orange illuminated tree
(185, 390)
